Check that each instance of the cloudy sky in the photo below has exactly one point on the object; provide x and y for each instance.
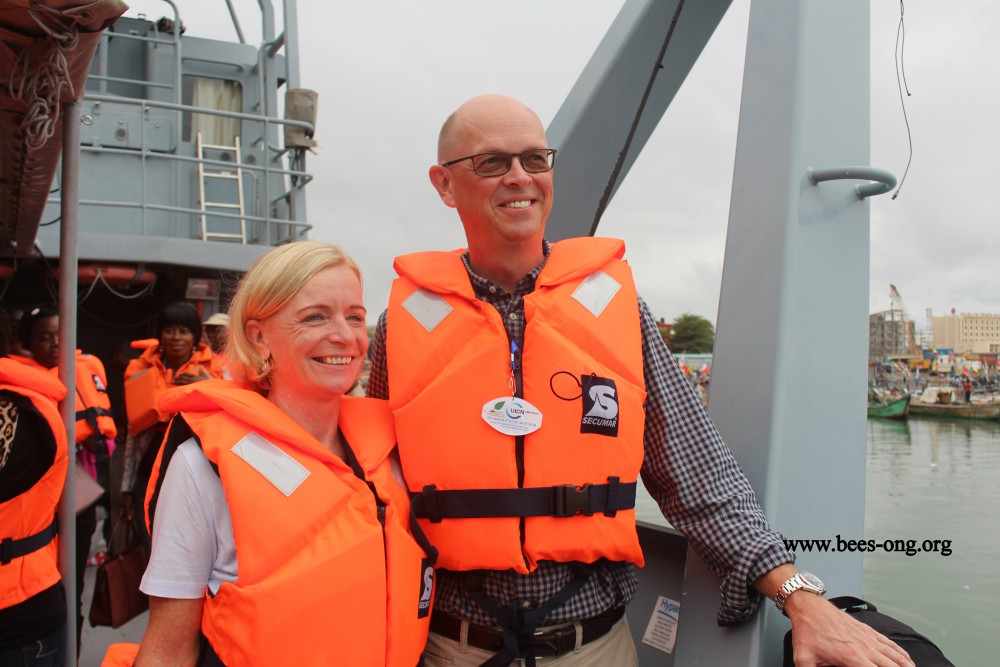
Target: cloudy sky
(389, 72)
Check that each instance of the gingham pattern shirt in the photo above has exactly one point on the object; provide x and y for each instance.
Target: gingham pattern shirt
(687, 469)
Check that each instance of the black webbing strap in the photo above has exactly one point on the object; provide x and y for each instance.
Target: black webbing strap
(519, 623)
(91, 414)
(558, 501)
(11, 548)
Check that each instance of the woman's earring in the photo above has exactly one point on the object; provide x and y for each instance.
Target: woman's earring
(265, 366)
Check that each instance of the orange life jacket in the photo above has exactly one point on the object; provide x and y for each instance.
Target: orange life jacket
(29, 519)
(326, 575)
(93, 407)
(121, 654)
(146, 378)
(449, 362)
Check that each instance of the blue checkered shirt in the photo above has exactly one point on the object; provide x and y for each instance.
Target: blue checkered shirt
(687, 469)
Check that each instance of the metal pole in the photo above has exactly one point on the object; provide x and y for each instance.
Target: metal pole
(67, 359)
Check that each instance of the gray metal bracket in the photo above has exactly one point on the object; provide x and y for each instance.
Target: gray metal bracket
(884, 181)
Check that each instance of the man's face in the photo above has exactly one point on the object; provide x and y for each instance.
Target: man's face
(498, 210)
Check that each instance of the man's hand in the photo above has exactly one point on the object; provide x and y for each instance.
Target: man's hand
(824, 635)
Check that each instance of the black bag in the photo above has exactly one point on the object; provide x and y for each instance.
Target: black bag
(923, 652)
(117, 598)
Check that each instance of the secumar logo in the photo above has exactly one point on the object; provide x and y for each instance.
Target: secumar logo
(600, 406)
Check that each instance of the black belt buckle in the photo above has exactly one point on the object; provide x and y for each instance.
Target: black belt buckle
(569, 500)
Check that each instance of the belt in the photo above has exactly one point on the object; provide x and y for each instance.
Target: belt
(549, 643)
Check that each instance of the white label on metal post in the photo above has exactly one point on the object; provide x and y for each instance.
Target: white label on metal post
(277, 467)
(661, 632)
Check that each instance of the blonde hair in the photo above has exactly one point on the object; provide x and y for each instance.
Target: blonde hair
(273, 280)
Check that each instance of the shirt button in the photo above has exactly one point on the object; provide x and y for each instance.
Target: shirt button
(493, 289)
(512, 316)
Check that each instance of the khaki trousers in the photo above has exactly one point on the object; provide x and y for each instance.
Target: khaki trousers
(612, 650)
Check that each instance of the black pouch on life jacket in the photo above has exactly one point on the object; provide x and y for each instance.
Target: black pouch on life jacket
(923, 652)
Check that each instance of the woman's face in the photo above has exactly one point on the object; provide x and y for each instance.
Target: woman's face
(319, 339)
(177, 342)
(44, 342)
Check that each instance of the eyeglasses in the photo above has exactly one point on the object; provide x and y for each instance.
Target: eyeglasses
(533, 161)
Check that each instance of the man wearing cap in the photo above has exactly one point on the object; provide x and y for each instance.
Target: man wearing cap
(530, 386)
(216, 329)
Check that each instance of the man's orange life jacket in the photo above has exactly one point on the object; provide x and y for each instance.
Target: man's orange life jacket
(488, 500)
(146, 378)
(28, 561)
(327, 574)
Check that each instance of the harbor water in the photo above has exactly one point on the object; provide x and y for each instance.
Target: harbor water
(932, 479)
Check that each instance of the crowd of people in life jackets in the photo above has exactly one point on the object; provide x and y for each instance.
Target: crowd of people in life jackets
(32, 602)
(530, 386)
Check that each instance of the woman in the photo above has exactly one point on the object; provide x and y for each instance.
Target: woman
(322, 569)
(95, 424)
(33, 462)
(172, 359)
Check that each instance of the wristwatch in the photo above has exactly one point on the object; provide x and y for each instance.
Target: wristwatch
(804, 581)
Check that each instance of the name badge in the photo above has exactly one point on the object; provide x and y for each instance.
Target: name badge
(512, 416)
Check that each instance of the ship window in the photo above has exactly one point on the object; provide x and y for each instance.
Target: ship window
(216, 94)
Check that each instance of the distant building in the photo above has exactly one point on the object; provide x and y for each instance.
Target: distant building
(976, 333)
(891, 336)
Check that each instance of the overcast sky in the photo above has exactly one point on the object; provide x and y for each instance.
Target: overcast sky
(389, 72)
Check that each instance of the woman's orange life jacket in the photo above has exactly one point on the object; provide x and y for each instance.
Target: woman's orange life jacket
(30, 517)
(93, 406)
(449, 362)
(146, 378)
(327, 575)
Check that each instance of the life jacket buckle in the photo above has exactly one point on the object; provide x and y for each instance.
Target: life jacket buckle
(570, 500)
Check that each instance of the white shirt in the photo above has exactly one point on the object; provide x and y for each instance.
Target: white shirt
(193, 544)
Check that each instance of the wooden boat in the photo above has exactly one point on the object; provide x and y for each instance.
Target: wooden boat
(973, 410)
(889, 408)
(947, 402)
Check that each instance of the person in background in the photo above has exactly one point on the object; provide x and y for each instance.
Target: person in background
(967, 388)
(520, 372)
(280, 519)
(216, 330)
(95, 424)
(176, 357)
(16, 348)
(33, 461)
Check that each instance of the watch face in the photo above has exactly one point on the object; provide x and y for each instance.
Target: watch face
(812, 580)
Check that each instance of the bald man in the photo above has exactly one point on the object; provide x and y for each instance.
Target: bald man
(530, 388)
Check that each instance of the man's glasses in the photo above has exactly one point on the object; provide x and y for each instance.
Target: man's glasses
(533, 161)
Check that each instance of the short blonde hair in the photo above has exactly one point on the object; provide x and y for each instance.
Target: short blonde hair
(273, 280)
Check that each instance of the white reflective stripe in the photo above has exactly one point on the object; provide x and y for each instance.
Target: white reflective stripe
(596, 292)
(277, 467)
(427, 308)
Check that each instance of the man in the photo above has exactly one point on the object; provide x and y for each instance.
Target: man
(528, 389)
(216, 329)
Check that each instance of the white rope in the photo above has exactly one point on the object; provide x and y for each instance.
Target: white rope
(40, 85)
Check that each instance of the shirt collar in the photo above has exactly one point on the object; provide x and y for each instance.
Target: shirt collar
(481, 285)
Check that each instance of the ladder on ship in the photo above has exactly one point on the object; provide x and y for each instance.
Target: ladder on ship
(233, 203)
